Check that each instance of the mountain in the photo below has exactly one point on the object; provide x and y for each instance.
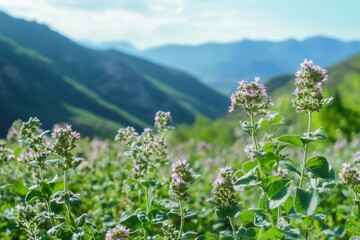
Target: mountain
(121, 46)
(132, 88)
(221, 66)
(30, 85)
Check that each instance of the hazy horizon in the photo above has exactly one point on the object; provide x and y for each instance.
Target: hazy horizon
(148, 24)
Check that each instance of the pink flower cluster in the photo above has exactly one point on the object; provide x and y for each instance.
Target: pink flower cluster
(162, 119)
(252, 97)
(126, 135)
(65, 139)
(6, 155)
(309, 93)
(223, 192)
(118, 233)
(349, 175)
(181, 177)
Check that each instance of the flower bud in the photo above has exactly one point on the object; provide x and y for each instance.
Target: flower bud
(181, 177)
(223, 193)
(251, 97)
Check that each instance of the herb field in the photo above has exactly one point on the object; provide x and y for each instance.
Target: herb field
(147, 185)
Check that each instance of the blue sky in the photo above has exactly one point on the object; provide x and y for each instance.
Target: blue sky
(148, 23)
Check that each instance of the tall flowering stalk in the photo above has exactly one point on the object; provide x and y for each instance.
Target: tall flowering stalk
(147, 151)
(223, 195)
(65, 142)
(308, 97)
(38, 149)
(181, 178)
(253, 99)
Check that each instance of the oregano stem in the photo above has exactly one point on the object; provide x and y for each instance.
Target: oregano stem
(65, 181)
(233, 228)
(306, 147)
(256, 145)
(182, 218)
(147, 199)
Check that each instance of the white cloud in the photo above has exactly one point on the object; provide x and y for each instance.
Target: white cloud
(154, 22)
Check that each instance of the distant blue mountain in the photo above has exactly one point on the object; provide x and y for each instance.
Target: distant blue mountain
(221, 65)
(122, 46)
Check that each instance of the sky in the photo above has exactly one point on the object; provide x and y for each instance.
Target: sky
(150, 23)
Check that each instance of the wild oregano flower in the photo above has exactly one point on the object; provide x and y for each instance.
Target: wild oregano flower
(252, 97)
(118, 233)
(308, 95)
(65, 142)
(162, 119)
(33, 137)
(310, 75)
(14, 133)
(30, 217)
(126, 135)
(169, 231)
(148, 149)
(350, 175)
(357, 157)
(223, 192)
(181, 177)
(6, 155)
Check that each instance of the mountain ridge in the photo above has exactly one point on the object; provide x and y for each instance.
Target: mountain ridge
(116, 78)
(221, 65)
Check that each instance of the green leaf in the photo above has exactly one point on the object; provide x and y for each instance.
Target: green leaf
(6, 186)
(260, 220)
(292, 139)
(319, 217)
(247, 216)
(259, 154)
(20, 187)
(319, 166)
(245, 181)
(174, 212)
(268, 163)
(291, 168)
(305, 202)
(249, 165)
(33, 195)
(278, 191)
(69, 219)
(148, 183)
(45, 189)
(188, 235)
(143, 217)
(130, 221)
(243, 233)
(159, 216)
(54, 230)
(203, 237)
(76, 162)
(80, 221)
(190, 214)
(72, 199)
(272, 233)
(225, 213)
(273, 119)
